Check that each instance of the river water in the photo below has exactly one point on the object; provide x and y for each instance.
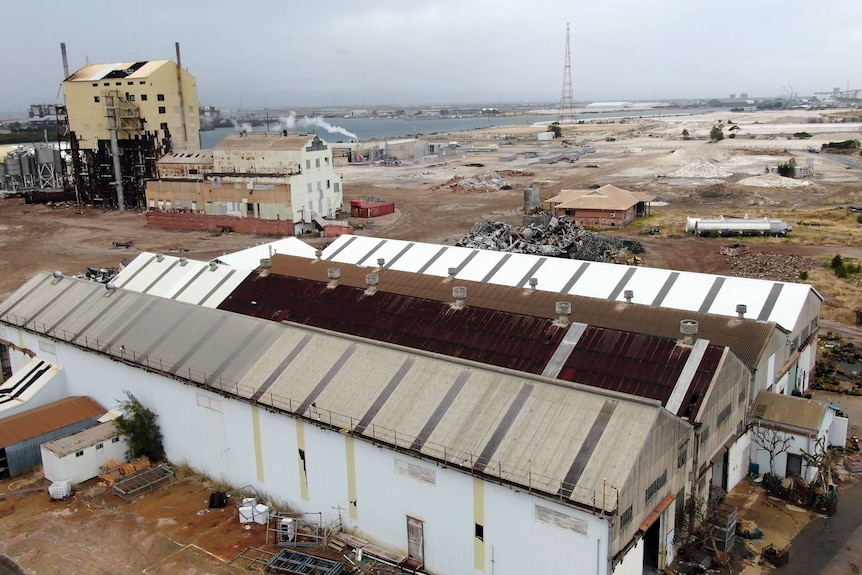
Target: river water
(381, 128)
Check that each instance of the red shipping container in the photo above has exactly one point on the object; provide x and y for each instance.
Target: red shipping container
(335, 231)
(372, 210)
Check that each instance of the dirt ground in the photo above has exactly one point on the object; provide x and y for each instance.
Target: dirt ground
(94, 532)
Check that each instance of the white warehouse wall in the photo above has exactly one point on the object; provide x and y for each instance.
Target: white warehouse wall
(247, 445)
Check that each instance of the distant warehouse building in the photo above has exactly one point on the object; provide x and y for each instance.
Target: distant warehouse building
(275, 184)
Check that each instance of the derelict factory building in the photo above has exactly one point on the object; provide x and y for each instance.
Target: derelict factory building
(149, 108)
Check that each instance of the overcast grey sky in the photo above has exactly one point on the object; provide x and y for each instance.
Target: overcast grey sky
(286, 53)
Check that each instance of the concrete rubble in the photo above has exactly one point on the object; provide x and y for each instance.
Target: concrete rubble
(490, 181)
(560, 237)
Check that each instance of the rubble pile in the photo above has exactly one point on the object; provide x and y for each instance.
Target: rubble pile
(100, 275)
(772, 266)
(483, 184)
(699, 168)
(772, 181)
(560, 237)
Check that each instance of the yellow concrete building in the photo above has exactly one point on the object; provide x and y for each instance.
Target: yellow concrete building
(156, 98)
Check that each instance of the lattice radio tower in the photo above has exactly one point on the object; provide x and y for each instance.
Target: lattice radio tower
(567, 105)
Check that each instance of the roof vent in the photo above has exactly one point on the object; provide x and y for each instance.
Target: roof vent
(183, 261)
(213, 266)
(372, 280)
(160, 257)
(460, 295)
(740, 310)
(688, 329)
(318, 253)
(58, 275)
(111, 288)
(452, 273)
(266, 263)
(563, 310)
(628, 295)
(334, 274)
(381, 262)
(533, 283)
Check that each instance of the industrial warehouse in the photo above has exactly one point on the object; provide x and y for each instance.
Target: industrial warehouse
(466, 409)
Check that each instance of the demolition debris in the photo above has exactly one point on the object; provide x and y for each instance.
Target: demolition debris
(772, 266)
(560, 237)
(485, 183)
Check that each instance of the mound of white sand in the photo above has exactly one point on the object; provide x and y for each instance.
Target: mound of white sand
(773, 181)
(699, 168)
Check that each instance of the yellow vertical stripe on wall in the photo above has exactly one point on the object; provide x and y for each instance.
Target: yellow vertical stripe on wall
(258, 445)
(300, 443)
(351, 478)
(478, 517)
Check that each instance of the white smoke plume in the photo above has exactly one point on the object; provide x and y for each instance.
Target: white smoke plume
(291, 121)
(240, 127)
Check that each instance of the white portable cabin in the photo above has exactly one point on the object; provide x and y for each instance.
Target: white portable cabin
(79, 457)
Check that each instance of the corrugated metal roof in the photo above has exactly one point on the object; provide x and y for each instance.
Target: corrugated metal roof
(25, 383)
(503, 326)
(527, 429)
(195, 157)
(789, 410)
(273, 141)
(746, 338)
(83, 439)
(181, 279)
(51, 417)
(604, 198)
(249, 258)
(93, 72)
(766, 300)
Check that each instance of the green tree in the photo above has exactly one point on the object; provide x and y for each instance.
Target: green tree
(556, 129)
(788, 168)
(138, 425)
(685, 134)
(717, 132)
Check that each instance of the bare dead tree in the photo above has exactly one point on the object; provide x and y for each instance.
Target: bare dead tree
(773, 442)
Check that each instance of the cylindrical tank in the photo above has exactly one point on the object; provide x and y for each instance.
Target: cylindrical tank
(28, 164)
(532, 199)
(13, 165)
(45, 154)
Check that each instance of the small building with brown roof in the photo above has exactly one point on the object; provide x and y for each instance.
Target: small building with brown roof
(22, 435)
(607, 206)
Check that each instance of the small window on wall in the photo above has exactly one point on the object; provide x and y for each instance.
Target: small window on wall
(317, 163)
(162, 110)
(97, 99)
(143, 97)
(100, 446)
(160, 97)
(115, 440)
(307, 164)
(480, 532)
(79, 454)
(131, 97)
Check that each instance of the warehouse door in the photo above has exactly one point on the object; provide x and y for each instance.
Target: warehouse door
(415, 539)
(4, 464)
